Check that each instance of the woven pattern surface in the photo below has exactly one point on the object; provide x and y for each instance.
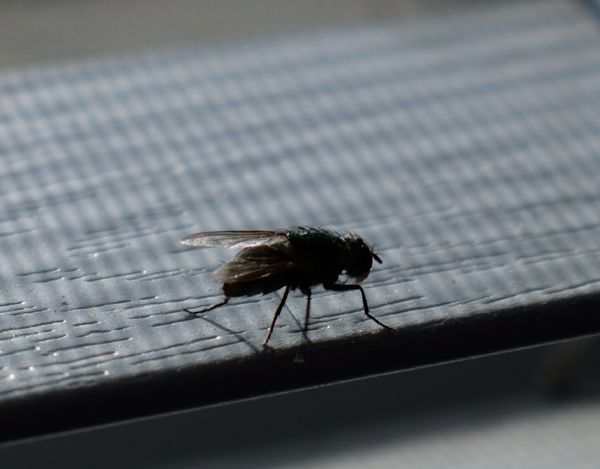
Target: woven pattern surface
(465, 146)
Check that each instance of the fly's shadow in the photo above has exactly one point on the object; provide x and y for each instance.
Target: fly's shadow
(238, 335)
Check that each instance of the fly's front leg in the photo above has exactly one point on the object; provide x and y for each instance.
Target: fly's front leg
(343, 287)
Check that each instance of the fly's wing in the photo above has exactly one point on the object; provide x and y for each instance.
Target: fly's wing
(258, 263)
(233, 239)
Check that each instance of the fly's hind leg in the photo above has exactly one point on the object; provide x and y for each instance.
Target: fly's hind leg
(209, 308)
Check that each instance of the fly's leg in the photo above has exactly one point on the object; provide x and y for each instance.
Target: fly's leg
(210, 308)
(307, 317)
(341, 287)
(277, 313)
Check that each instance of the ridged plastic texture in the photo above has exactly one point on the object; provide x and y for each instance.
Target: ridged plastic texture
(464, 145)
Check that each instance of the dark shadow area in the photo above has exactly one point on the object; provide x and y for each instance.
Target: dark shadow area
(312, 424)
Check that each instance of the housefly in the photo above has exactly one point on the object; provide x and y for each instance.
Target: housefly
(295, 258)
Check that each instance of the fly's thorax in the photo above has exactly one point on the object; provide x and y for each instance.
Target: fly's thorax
(318, 244)
(328, 253)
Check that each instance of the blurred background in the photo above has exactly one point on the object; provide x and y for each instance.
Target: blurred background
(40, 31)
(536, 408)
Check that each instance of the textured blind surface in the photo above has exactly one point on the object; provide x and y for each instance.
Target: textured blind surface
(465, 146)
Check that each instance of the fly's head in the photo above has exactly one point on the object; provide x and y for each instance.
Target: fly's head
(360, 257)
